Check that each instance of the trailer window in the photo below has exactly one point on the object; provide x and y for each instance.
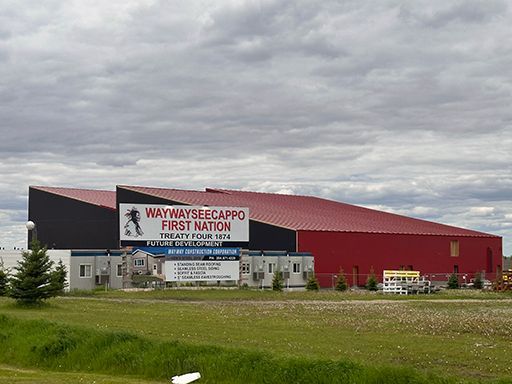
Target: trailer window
(85, 270)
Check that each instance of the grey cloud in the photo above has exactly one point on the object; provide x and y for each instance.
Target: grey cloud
(468, 11)
(400, 106)
(270, 29)
(246, 21)
(13, 203)
(489, 189)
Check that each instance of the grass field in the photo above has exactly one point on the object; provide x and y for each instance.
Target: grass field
(14, 375)
(463, 335)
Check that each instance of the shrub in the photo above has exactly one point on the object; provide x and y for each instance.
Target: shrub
(341, 281)
(478, 282)
(277, 281)
(312, 284)
(453, 281)
(58, 278)
(3, 282)
(4, 279)
(371, 282)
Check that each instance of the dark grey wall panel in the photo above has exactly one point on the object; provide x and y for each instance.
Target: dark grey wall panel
(64, 223)
(271, 238)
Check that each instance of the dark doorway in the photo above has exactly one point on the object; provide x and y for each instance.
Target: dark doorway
(489, 260)
(355, 275)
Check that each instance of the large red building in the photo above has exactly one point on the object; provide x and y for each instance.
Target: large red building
(339, 235)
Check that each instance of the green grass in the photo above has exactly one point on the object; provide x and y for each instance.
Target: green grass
(16, 375)
(42, 344)
(208, 294)
(468, 334)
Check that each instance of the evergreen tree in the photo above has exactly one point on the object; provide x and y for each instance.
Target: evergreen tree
(371, 282)
(32, 282)
(478, 283)
(277, 281)
(341, 281)
(453, 281)
(58, 278)
(312, 284)
(3, 280)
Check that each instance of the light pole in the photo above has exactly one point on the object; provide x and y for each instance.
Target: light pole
(31, 226)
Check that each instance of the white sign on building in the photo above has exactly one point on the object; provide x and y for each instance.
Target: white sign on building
(202, 264)
(182, 225)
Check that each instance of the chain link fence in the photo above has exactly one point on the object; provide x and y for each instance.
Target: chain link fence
(438, 279)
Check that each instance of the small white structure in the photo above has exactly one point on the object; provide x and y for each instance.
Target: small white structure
(257, 268)
(86, 269)
(186, 378)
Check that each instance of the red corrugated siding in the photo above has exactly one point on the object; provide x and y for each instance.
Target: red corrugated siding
(428, 254)
(308, 213)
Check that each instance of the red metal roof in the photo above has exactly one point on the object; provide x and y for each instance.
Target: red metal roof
(307, 213)
(100, 198)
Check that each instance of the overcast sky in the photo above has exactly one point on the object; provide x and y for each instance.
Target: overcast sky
(403, 106)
